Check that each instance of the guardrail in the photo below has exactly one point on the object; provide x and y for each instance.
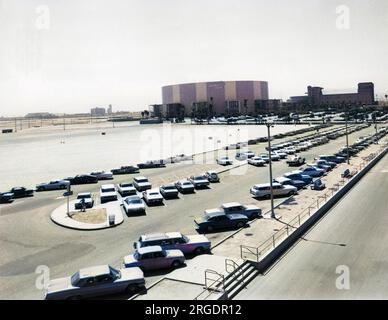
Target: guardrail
(256, 254)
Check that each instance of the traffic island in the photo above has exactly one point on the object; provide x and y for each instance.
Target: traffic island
(101, 216)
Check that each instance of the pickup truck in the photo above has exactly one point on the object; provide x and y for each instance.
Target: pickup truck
(250, 211)
(296, 161)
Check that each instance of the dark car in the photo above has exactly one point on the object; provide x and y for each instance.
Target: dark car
(82, 179)
(335, 159)
(152, 164)
(21, 192)
(215, 219)
(299, 184)
(6, 197)
(168, 191)
(125, 170)
(299, 176)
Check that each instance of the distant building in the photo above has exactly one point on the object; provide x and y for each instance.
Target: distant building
(214, 98)
(40, 115)
(110, 110)
(97, 112)
(365, 95)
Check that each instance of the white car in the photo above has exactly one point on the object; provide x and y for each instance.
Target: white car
(264, 190)
(290, 150)
(126, 189)
(141, 183)
(224, 161)
(133, 204)
(108, 193)
(199, 181)
(102, 175)
(53, 185)
(244, 155)
(95, 281)
(281, 154)
(257, 161)
(152, 197)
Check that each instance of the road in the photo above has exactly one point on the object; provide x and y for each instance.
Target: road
(352, 237)
(28, 238)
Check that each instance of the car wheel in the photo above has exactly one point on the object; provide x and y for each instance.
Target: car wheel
(240, 225)
(198, 251)
(176, 264)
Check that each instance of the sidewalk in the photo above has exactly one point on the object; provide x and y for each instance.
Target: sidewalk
(60, 217)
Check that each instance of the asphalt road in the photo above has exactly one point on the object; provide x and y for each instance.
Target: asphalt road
(347, 247)
(28, 238)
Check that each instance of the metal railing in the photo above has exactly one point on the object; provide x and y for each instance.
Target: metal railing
(256, 253)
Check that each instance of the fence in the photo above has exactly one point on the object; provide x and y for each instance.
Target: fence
(256, 254)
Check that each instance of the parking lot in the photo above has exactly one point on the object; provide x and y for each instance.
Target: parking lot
(29, 238)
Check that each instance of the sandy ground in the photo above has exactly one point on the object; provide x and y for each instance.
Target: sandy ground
(94, 216)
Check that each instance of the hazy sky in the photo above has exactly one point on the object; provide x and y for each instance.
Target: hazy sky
(71, 55)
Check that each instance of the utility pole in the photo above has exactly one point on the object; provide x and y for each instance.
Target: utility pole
(347, 137)
(269, 125)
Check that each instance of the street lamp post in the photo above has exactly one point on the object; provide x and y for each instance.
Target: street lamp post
(347, 137)
(269, 125)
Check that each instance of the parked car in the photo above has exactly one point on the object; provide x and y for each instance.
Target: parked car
(244, 155)
(84, 198)
(108, 193)
(290, 150)
(94, 282)
(168, 191)
(299, 184)
(199, 181)
(296, 161)
(185, 186)
(141, 183)
(126, 189)
(257, 161)
(332, 158)
(321, 164)
(248, 210)
(318, 185)
(21, 192)
(265, 157)
(53, 185)
(281, 154)
(224, 161)
(102, 175)
(188, 244)
(152, 197)
(152, 164)
(212, 176)
(82, 179)
(297, 175)
(6, 197)
(264, 190)
(313, 172)
(217, 219)
(133, 204)
(154, 258)
(125, 170)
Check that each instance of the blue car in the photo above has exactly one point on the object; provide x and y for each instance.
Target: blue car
(299, 176)
(313, 172)
(299, 184)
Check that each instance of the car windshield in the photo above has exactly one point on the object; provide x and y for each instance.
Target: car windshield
(153, 193)
(108, 190)
(126, 185)
(199, 178)
(169, 188)
(83, 196)
(115, 273)
(133, 201)
(142, 180)
(185, 238)
(187, 183)
(75, 278)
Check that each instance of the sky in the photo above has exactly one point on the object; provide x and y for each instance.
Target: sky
(67, 56)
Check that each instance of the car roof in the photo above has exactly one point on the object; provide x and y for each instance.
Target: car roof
(106, 186)
(211, 171)
(214, 212)
(168, 185)
(261, 185)
(84, 194)
(94, 271)
(160, 236)
(150, 249)
(134, 197)
(140, 178)
(231, 204)
(283, 179)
